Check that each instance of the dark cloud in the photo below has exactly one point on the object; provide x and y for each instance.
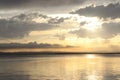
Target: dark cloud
(108, 30)
(83, 23)
(21, 25)
(13, 1)
(37, 3)
(28, 45)
(57, 20)
(29, 17)
(109, 11)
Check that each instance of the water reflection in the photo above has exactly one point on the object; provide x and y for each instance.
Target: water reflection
(90, 56)
(88, 67)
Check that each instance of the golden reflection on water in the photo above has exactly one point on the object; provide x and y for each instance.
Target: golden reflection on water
(90, 56)
(83, 67)
(88, 67)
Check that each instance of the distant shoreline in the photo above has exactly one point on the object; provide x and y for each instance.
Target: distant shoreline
(21, 54)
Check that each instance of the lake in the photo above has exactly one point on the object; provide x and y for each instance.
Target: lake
(61, 67)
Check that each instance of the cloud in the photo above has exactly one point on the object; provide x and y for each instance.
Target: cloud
(83, 33)
(37, 3)
(60, 36)
(21, 25)
(109, 11)
(13, 2)
(108, 30)
(56, 21)
(28, 45)
(29, 17)
(80, 32)
(115, 48)
(83, 23)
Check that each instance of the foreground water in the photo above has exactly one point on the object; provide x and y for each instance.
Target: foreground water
(75, 67)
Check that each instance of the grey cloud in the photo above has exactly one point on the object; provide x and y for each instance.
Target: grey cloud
(28, 45)
(109, 11)
(80, 33)
(20, 26)
(57, 20)
(84, 33)
(29, 17)
(61, 37)
(37, 3)
(83, 23)
(108, 30)
(12, 2)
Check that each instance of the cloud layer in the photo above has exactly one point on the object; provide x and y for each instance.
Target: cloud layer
(109, 11)
(37, 3)
(108, 30)
(21, 25)
(28, 45)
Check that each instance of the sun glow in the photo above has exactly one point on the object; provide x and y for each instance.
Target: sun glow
(92, 24)
(92, 77)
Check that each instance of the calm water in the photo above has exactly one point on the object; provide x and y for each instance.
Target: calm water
(79, 67)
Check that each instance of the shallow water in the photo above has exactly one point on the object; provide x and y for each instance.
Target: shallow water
(75, 67)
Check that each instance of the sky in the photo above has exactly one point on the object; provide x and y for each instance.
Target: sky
(63, 25)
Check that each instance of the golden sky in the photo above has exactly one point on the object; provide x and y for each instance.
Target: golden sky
(85, 25)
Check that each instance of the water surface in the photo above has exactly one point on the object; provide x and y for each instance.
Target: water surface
(68, 67)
